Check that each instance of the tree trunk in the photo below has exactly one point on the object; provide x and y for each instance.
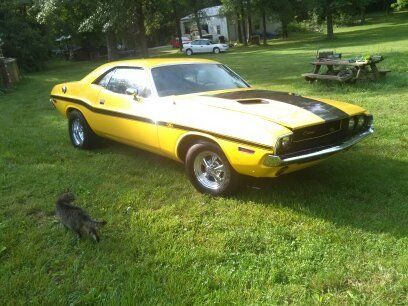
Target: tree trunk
(387, 7)
(142, 30)
(285, 33)
(177, 23)
(111, 44)
(362, 14)
(265, 41)
(329, 20)
(249, 26)
(4, 75)
(239, 29)
(197, 19)
(244, 32)
(178, 29)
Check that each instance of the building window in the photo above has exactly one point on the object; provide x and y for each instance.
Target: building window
(218, 29)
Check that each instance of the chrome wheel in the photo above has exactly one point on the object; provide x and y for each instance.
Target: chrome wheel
(216, 50)
(77, 131)
(210, 170)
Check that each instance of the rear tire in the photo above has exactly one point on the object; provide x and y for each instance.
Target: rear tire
(209, 170)
(216, 50)
(80, 133)
(189, 52)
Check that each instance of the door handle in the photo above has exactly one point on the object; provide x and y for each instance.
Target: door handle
(102, 101)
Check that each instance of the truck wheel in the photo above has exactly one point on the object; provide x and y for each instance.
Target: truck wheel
(209, 170)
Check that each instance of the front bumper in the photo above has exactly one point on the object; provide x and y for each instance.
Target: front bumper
(276, 161)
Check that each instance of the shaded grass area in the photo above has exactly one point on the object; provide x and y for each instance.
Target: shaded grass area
(335, 233)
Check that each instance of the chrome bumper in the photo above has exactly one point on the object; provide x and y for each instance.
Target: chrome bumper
(276, 161)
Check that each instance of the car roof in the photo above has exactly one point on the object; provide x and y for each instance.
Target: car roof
(144, 63)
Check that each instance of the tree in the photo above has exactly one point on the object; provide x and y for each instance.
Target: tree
(326, 10)
(103, 16)
(236, 8)
(22, 36)
(286, 14)
(263, 8)
(177, 8)
(285, 10)
(361, 6)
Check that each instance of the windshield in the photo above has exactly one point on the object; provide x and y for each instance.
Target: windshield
(190, 78)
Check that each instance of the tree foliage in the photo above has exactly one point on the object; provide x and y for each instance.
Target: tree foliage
(21, 36)
(401, 4)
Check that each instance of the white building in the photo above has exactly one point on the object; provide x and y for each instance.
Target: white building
(215, 23)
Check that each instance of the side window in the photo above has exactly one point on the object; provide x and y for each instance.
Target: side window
(106, 78)
(129, 78)
(195, 42)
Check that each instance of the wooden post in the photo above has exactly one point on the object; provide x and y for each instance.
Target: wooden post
(376, 74)
(316, 69)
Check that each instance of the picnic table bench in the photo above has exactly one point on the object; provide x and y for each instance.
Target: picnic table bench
(341, 70)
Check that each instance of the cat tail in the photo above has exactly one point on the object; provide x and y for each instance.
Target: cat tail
(98, 223)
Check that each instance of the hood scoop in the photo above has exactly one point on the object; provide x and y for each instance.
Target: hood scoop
(252, 101)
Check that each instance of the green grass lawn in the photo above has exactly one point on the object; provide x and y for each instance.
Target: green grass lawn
(335, 233)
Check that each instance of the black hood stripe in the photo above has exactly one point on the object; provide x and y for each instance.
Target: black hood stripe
(325, 111)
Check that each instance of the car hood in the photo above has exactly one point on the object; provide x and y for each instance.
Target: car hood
(290, 110)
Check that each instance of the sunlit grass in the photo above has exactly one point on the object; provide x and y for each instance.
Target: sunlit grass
(335, 233)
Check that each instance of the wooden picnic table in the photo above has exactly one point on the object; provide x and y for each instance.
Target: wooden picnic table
(345, 70)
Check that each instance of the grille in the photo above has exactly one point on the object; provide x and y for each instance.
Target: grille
(318, 136)
(323, 135)
(317, 130)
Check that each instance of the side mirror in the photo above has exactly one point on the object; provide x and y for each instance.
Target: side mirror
(133, 92)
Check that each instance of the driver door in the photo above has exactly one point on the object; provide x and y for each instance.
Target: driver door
(124, 117)
(208, 47)
(200, 47)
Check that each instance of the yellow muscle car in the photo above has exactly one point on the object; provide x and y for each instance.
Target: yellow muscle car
(199, 112)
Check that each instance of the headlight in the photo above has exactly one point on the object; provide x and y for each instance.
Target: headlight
(351, 124)
(283, 143)
(360, 122)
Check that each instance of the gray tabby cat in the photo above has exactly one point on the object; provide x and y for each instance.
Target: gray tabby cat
(75, 218)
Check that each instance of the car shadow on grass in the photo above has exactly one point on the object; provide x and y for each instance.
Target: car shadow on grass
(354, 189)
(358, 190)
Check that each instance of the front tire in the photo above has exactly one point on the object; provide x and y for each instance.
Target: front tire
(209, 170)
(80, 133)
(216, 50)
(189, 52)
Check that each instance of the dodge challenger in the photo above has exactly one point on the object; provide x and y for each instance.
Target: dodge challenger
(201, 113)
